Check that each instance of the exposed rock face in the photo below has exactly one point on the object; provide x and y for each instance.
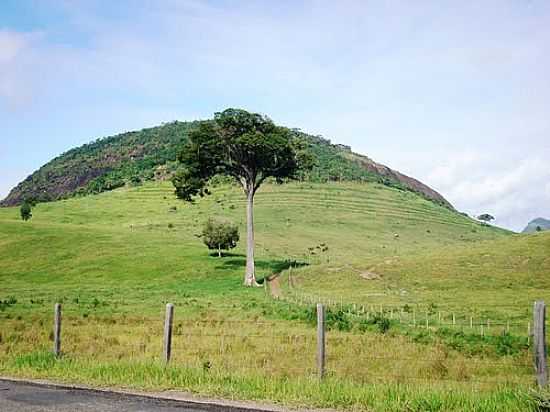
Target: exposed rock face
(409, 182)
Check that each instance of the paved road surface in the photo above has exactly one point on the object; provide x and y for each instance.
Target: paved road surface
(22, 397)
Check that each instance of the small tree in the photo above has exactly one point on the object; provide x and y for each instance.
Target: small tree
(538, 229)
(220, 235)
(486, 217)
(26, 211)
(246, 147)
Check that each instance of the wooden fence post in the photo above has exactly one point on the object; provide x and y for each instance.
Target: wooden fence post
(57, 331)
(168, 322)
(539, 343)
(321, 340)
(290, 277)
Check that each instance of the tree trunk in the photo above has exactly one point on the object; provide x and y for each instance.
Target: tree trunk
(219, 252)
(250, 274)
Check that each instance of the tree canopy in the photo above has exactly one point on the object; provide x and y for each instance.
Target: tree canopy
(486, 217)
(26, 211)
(246, 146)
(220, 235)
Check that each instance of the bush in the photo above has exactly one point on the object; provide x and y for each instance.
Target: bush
(337, 319)
(379, 323)
(541, 400)
(26, 211)
(382, 323)
(220, 235)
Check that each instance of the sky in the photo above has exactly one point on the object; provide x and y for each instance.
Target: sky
(454, 93)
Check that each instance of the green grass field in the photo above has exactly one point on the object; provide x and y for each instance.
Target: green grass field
(114, 260)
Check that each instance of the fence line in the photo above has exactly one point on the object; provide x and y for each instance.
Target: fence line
(324, 340)
(414, 318)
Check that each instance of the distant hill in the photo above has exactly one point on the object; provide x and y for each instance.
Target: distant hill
(544, 224)
(135, 157)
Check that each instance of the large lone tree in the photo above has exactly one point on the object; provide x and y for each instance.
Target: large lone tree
(246, 146)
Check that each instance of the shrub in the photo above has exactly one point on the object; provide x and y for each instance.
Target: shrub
(337, 319)
(4, 304)
(26, 211)
(220, 235)
(382, 323)
(379, 322)
(541, 399)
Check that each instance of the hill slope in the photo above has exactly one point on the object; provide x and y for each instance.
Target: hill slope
(133, 157)
(115, 259)
(134, 235)
(533, 225)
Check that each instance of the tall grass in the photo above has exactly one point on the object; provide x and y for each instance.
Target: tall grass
(292, 391)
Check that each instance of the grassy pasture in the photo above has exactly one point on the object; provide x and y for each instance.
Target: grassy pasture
(115, 259)
(496, 280)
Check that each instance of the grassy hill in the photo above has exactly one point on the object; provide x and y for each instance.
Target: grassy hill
(115, 259)
(106, 235)
(537, 225)
(131, 158)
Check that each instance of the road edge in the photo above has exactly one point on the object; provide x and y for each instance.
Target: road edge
(181, 398)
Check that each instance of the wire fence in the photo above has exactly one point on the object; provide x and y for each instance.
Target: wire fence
(277, 348)
(423, 316)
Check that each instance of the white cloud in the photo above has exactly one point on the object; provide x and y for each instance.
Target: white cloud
(18, 70)
(512, 189)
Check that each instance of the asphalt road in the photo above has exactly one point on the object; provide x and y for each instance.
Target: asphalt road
(22, 397)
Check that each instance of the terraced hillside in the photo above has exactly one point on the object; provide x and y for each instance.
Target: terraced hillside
(115, 259)
(357, 222)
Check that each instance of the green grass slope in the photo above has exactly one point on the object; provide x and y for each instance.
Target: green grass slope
(124, 235)
(496, 280)
(115, 259)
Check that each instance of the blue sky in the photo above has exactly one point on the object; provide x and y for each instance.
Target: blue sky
(456, 94)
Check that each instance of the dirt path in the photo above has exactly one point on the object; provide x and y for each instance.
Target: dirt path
(274, 285)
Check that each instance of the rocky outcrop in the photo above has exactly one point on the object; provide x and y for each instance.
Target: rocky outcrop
(407, 181)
